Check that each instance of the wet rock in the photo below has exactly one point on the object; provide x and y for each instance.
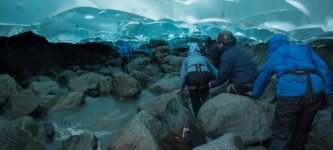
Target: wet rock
(14, 138)
(64, 77)
(180, 130)
(69, 101)
(138, 64)
(125, 86)
(43, 87)
(156, 106)
(104, 87)
(8, 87)
(228, 141)
(140, 133)
(44, 132)
(321, 135)
(229, 113)
(83, 82)
(165, 85)
(152, 70)
(22, 104)
(85, 141)
(175, 61)
(141, 77)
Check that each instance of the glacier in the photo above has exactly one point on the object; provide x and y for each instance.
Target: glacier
(79, 21)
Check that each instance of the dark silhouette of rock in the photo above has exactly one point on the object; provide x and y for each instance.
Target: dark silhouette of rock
(180, 130)
(27, 54)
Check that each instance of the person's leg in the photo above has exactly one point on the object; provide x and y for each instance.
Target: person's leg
(304, 124)
(195, 99)
(285, 118)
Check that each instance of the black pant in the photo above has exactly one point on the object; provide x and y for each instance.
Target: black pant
(197, 83)
(293, 120)
(124, 62)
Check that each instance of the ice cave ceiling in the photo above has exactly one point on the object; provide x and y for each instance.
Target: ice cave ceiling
(78, 21)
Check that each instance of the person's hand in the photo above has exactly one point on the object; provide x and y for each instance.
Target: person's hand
(249, 94)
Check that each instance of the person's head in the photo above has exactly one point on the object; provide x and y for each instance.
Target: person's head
(193, 47)
(277, 41)
(225, 38)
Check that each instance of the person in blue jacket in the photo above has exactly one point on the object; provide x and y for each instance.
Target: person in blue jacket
(237, 71)
(303, 80)
(196, 71)
(125, 54)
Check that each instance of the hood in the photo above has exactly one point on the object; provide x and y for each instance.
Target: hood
(277, 41)
(194, 49)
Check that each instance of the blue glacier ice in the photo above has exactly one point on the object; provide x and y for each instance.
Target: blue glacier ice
(79, 21)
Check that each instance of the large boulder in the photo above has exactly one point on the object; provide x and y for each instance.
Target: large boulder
(156, 106)
(140, 133)
(44, 132)
(228, 141)
(321, 135)
(85, 141)
(43, 87)
(65, 76)
(124, 86)
(138, 64)
(69, 101)
(180, 130)
(104, 87)
(152, 69)
(229, 113)
(165, 85)
(175, 61)
(85, 81)
(7, 88)
(14, 138)
(141, 77)
(22, 104)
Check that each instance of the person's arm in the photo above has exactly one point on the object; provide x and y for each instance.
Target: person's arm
(223, 72)
(183, 70)
(212, 68)
(263, 79)
(323, 70)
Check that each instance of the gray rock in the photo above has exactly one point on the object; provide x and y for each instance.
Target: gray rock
(83, 82)
(152, 70)
(65, 76)
(140, 134)
(69, 101)
(104, 87)
(175, 61)
(7, 87)
(138, 64)
(165, 85)
(141, 77)
(43, 87)
(228, 141)
(229, 113)
(86, 141)
(22, 104)
(14, 138)
(124, 86)
(156, 106)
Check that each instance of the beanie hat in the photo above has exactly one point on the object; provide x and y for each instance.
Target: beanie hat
(194, 47)
(226, 37)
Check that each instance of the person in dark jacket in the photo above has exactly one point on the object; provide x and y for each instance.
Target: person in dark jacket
(212, 52)
(196, 71)
(237, 71)
(125, 54)
(303, 80)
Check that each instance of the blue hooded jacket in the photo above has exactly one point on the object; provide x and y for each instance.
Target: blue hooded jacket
(194, 57)
(285, 57)
(125, 49)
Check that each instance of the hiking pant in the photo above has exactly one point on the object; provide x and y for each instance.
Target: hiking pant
(124, 62)
(197, 84)
(293, 121)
